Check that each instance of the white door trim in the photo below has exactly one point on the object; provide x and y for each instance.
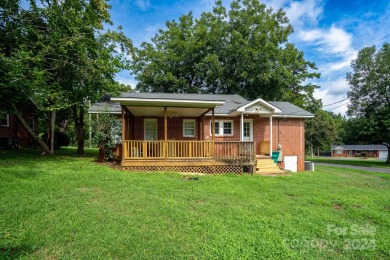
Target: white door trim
(250, 137)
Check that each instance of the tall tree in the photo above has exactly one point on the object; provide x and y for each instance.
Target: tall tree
(370, 92)
(17, 78)
(74, 57)
(244, 50)
(321, 131)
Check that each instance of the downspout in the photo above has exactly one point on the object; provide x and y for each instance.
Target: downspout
(270, 133)
(242, 127)
(90, 126)
(123, 133)
(165, 132)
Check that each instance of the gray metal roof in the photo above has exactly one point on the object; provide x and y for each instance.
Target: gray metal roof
(232, 102)
(361, 147)
(289, 109)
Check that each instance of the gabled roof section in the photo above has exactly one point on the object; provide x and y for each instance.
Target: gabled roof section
(360, 147)
(290, 110)
(225, 104)
(257, 105)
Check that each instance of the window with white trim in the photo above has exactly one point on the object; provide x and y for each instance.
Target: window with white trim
(189, 127)
(4, 120)
(223, 127)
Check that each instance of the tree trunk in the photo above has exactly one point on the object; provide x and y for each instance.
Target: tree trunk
(388, 154)
(45, 149)
(79, 124)
(52, 126)
(318, 151)
(311, 151)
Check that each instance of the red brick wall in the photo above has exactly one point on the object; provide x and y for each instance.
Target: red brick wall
(15, 129)
(175, 128)
(344, 154)
(289, 132)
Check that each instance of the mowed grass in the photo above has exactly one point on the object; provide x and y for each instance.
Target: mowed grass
(369, 162)
(69, 207)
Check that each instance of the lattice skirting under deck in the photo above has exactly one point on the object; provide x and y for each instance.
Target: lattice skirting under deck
(218, 169)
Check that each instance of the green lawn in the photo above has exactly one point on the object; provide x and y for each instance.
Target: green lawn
(69, 207)
(352, 161)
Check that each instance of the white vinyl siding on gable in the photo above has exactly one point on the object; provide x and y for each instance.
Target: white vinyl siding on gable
(223, 127)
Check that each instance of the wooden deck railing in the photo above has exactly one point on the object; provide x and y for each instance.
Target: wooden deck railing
(234, 150)
(176, 149)
(189, 149)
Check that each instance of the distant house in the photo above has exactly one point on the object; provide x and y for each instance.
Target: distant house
(211, 133)
(11, 130)
(371, 150)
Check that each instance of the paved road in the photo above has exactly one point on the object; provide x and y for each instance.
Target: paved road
(370, 169)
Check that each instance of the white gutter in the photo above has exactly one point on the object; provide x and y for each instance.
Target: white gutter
(170, 101)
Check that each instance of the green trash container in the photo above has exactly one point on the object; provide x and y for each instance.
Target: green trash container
(275, 156)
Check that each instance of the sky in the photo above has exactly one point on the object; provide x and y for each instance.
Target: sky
(329, 32)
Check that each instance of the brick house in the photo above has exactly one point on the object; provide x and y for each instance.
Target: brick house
(162, 131)
(10, 127)
(371, 150)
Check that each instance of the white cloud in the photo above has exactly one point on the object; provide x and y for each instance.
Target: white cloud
(143, 4)
(299, 12)
(333, 40)
(333, 90)
(304, 12)
(125, 78)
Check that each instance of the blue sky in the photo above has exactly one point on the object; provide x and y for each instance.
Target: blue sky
(330, 32)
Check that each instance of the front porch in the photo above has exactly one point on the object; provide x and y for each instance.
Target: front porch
(189, 156)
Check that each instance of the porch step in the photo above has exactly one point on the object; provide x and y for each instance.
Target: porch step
(267, 166)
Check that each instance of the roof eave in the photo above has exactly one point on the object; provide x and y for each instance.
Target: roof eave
(166, 102)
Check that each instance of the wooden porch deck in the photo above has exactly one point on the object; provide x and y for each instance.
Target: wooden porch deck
(189, 156)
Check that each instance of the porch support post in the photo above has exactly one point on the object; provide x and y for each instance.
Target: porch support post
(123, 133)
(213, 125)
(242, 127)
(270, 134)
(165, 132)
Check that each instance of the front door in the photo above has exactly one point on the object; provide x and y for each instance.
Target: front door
(248, 131)
(150, 129)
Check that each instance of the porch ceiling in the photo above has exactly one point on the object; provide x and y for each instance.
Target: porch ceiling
(171, 111)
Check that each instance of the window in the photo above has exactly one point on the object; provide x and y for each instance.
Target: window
(4, 119)
(189, 127)
(150, 129)
(339, 151)
(31, 123)
(223, 127)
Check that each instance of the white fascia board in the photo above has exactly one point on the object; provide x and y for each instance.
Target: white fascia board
(263, 102)
(166, 101)
(104, 112)
(292, 116)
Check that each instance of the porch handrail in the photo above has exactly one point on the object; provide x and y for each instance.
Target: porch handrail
(191, 149)
(234, 150)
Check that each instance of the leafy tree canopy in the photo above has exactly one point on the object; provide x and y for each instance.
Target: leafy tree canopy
(243, 50)
(370, 93)
(59, 53)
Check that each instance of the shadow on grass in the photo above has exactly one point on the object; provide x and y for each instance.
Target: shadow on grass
(12, 160)
(15, 252)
